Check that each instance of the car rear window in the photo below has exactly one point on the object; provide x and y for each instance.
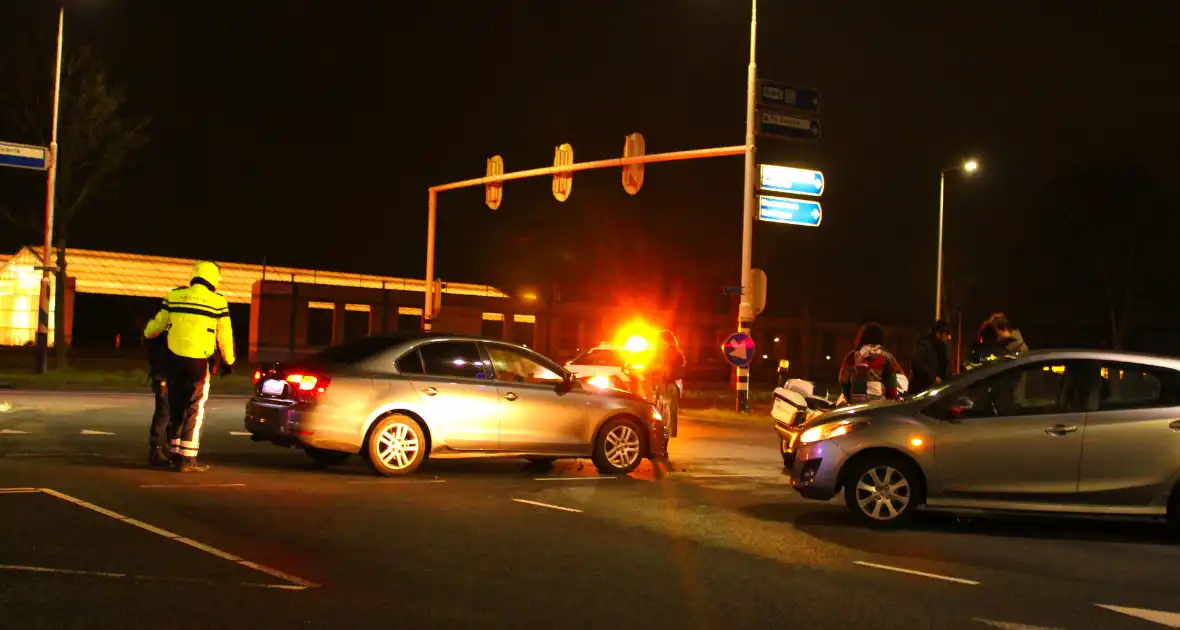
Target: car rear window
(357, 350)
(600, 356)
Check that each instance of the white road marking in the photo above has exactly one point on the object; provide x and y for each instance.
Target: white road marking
(935, 576)
(18, 490)
(196, 485)
(1162, 617)
(286, 577)
(31, 569)
(546, 505)
(1008, 625)
(12, 432)
(5, 407)
(239, 433)
(90, 432)
(573, 478)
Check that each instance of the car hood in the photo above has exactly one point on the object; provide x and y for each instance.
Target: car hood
(851, 411)
(614, 393)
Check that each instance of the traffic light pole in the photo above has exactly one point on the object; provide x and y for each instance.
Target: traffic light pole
(745, 310)
(428, 311)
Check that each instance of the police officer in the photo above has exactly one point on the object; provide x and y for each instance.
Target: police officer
(196, 319)
(162, 429)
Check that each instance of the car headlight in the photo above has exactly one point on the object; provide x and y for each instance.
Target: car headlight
(829, 431)
(656, 415)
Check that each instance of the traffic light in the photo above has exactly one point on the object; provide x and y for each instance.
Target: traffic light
(494, 191)
(563, 183)
(633, 173)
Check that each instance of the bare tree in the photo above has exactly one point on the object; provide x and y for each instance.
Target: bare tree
(97, 138)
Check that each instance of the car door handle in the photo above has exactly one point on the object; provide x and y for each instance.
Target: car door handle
(430, 391)
(510, 396)
(1060, 429)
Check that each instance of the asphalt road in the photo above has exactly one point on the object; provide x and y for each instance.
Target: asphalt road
(90, 537)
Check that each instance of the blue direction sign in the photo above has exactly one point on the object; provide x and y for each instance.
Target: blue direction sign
(24, 156)
(790, 211)
(788, 127)
(738, 349)
(774, 94)
(785, 179)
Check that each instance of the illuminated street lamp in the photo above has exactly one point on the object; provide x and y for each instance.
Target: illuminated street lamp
(968, 167)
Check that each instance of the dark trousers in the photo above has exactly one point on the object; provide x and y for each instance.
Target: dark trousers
(160, 434)
(188, 391)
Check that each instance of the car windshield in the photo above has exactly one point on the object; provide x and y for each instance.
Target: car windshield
(599, 356)
(356, 350)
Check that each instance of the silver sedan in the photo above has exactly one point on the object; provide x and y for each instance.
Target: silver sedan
(398, 400)
(1066, 432)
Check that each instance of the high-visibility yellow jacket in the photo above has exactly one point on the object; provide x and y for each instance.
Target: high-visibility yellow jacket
(197, 321)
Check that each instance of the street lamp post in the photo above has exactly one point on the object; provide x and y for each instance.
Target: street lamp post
(745, 311)
(970, 166)
(50, 196)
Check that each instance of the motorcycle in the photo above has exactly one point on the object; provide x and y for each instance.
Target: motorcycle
(796, 403)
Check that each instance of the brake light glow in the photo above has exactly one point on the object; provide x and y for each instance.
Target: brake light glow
(307, 382)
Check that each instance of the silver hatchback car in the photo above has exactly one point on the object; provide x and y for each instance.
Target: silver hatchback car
(1067, 432)
(400, 399)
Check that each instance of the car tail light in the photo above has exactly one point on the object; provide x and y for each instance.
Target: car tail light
(307, 386)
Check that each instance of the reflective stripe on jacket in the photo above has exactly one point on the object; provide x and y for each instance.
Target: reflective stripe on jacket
(197, 321)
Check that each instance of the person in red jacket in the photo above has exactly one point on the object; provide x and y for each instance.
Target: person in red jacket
(869, 372)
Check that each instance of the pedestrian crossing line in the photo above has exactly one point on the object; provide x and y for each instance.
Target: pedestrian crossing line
(224, 555)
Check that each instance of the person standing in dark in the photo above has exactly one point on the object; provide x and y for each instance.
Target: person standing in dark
(988, 348)
(869, 372)
(930, 365)
(159, 436)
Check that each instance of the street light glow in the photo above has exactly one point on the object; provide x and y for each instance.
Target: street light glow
(970, 166)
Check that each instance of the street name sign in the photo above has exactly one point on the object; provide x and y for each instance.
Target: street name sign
(796, 181)
(788, 127)
(774, 94)
(790, 211)
(24, 156)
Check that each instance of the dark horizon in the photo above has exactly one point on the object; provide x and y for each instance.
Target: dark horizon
(307, 133)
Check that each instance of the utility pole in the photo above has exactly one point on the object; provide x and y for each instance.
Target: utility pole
(745, 310)
(50, 195)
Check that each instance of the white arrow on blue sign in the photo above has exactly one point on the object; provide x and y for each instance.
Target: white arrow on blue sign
(24, 156)
(786, 179)
(738, 349)
(790, 211)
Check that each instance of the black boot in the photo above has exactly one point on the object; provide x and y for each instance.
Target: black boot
(160, 457)
(190, 464)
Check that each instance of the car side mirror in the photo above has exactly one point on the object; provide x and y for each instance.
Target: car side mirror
(962, 407)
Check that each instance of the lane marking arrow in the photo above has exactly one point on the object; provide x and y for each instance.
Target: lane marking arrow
(89, 432)
(1162, 617)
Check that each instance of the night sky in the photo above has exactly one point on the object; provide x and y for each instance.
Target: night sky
(308, 132)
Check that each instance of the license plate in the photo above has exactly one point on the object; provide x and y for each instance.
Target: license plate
(273, 388)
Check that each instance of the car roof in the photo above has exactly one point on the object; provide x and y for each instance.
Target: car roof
(1099, 355)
